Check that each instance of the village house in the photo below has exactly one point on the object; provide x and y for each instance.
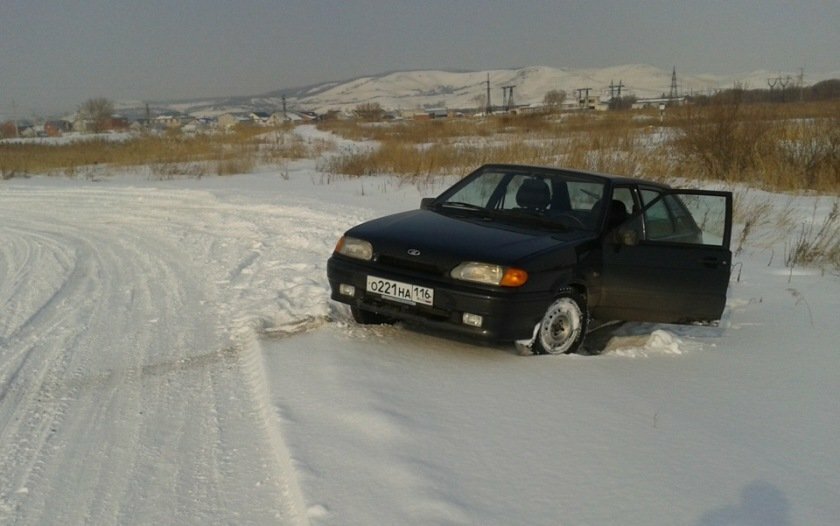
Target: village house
(229, 120)
(57, 128)
(260, 117)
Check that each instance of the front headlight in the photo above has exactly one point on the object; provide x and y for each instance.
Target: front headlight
(490, 274)
(354, 248)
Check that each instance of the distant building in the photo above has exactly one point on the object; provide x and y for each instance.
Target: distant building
(229, 120)
(169, 120)
(117, 123)
(260, 117)
(57, 128)
(9, 129)
(431, 113)
(658, 102)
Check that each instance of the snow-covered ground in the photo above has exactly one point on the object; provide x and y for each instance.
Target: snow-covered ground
(169, 355)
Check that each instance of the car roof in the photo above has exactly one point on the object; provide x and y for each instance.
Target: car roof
(612, 178)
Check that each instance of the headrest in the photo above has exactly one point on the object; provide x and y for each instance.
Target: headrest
(533, 193)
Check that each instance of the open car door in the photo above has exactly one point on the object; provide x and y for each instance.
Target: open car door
(670, 262)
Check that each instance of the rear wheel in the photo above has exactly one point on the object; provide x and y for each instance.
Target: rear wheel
(366, 317)
(563, 327)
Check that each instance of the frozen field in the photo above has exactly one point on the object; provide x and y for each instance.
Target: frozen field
(168, 355)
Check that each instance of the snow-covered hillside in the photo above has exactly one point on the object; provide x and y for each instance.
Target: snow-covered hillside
(169, 355)
(408, 90)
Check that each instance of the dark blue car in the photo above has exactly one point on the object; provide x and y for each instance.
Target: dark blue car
(529, 254)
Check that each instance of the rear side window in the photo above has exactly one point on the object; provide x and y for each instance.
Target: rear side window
(658, 222)
(687, 218)
(705, 213)
(648, 196)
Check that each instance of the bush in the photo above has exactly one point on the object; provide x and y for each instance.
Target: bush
(817, 245)
(722, 140)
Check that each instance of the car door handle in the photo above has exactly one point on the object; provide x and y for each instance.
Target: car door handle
(713, 262)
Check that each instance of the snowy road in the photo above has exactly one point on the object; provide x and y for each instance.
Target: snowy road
(168, 356)
(130, 391)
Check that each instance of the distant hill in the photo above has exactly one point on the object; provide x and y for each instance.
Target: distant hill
(407, 90)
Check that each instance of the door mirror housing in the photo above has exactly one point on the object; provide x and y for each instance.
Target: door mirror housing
(426, 203)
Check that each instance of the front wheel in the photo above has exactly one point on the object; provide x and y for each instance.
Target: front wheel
(563, 327)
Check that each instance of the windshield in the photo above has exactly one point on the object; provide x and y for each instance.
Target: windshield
(544, 196)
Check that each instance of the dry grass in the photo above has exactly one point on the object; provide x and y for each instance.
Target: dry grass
(169, 155)
(789, 146)
(773, 146)
(817, 243)
(614, 143)
(781, 146)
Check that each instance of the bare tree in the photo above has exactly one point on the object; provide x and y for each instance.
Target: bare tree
(554, 98)
(369, 111)
(98, 112)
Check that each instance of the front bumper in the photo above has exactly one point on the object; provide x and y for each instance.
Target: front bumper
(507, 314)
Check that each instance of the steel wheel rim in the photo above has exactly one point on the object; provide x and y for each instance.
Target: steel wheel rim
(560, 326)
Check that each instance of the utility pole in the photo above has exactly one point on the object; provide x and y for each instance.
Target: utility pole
(615, 89)
(583, 100)
(14, 118)
(489, 108)
(285, 117)
(673, 94)
(783, 83)
(801, 83)
(507, 97)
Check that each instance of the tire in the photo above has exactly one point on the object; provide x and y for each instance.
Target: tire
(563, 326)
(366, 317)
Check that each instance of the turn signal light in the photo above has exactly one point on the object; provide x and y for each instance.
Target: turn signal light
(514, 277)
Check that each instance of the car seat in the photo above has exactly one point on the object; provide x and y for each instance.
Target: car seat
(534, 194)
(617, 214)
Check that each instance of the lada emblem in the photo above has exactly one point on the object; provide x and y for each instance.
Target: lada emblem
(413, 252)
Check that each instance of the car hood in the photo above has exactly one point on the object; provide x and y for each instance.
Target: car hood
(431, 238)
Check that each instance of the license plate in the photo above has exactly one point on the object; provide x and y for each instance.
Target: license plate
(399, 291)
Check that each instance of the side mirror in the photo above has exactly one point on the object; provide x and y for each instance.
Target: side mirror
(426, 203)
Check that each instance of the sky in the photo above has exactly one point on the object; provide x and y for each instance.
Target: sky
(54, 55)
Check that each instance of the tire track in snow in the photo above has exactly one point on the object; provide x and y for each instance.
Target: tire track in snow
(258, 383)
(96, 317)
(129, 399)
(28, 367)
